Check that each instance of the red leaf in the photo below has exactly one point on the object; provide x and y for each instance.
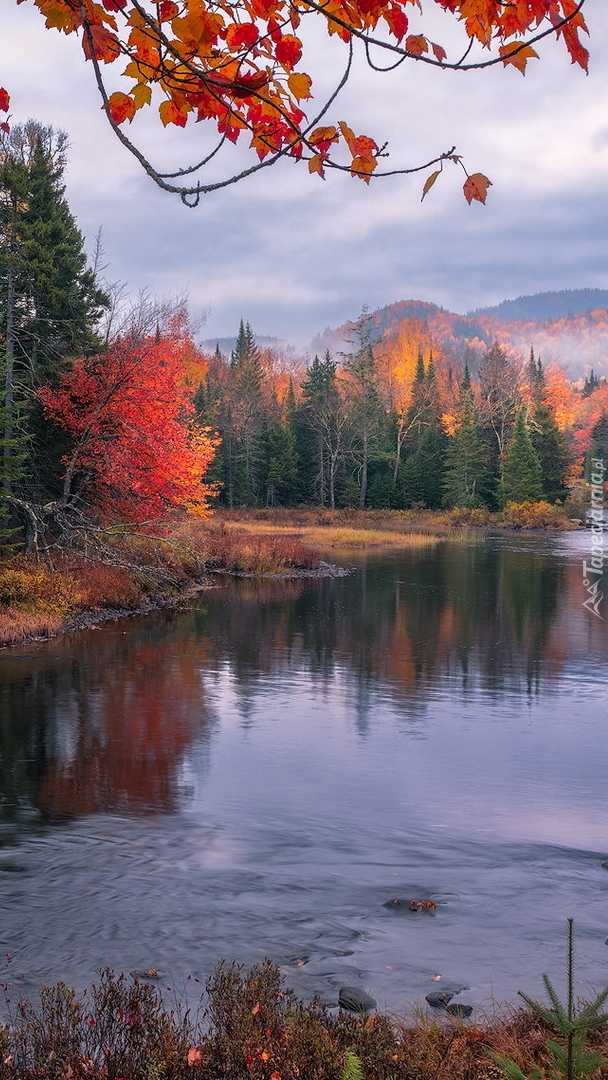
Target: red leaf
(4, 100)
(241, 36)
(288, 51)
(439, 53)
(167, 10)
(397, 21)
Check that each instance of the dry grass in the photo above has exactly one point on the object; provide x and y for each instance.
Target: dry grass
(253, 552)
(251, 1027)
(17, 625)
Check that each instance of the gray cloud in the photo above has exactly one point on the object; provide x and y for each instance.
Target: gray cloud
(293, 254)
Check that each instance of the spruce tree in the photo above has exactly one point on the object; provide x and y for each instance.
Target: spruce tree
(468, 480)
(49, 299)
(522, 474)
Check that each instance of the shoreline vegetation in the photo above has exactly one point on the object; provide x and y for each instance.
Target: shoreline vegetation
(43, 597)
(248, 1026)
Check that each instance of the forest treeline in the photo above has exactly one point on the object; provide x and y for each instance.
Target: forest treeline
(110, 409)
(397, 422)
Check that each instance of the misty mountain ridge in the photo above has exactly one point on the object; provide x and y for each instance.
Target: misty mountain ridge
(569, 326)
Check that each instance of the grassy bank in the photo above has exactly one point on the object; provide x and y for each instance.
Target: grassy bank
(40, 598)
(250, 1027)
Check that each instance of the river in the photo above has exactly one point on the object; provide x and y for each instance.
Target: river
(260, 773)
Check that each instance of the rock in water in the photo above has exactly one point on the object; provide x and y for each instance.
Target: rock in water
(458, 1009)
(355, 1000)
(439, 999)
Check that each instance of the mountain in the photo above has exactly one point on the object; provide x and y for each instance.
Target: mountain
(569, 327)
(547, 306)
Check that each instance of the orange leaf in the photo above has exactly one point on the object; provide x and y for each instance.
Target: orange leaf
(170, 114)
(439, 53)
(428, 183)
(416, 44)
(323, 137)
(264, 1056)
(363, 167)
(518, 59)
(299, 85)
(256, 1009)
(476, 187)
(104, 42)
(316, 163)
(194, 1055)
(122, 107)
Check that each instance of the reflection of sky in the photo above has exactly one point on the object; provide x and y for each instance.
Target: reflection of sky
(519, 769)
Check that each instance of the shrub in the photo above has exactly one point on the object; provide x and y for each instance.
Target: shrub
(534, 515)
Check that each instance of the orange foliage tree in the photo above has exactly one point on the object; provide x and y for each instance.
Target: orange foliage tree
(136, 454)
(239, 67)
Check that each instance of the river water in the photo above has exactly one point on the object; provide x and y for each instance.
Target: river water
(260, 773)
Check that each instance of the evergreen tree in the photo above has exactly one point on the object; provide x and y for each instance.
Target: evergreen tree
(246, 418)
(468, 481)
(324, 422)
(49, 299)
(280, 465)
(522, 474)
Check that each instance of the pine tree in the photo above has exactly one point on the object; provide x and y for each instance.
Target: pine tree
(522, 474)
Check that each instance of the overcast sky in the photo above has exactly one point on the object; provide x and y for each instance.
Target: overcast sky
(293, 254)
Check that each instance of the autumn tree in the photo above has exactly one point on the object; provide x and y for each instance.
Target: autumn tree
(239, 70)
(135, 454)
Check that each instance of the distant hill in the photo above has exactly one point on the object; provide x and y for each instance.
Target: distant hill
(226, 344)
(569, 327)
(547, 306)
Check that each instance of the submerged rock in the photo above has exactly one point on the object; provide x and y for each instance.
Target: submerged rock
(439, 999)
(355, 1000)
(399, 904)
(459, 1009)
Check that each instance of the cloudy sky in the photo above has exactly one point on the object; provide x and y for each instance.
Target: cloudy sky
(293, 254)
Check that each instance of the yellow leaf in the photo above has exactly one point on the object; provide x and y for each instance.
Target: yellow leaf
(299, 85)
(428, 183)
(141, 94)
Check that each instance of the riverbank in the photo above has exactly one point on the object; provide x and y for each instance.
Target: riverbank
(250, 1027)
(135, 574)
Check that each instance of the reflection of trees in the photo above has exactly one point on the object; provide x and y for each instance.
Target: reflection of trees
(481, 614)
(100, 721)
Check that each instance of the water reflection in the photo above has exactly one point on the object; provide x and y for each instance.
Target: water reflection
(261, 772)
